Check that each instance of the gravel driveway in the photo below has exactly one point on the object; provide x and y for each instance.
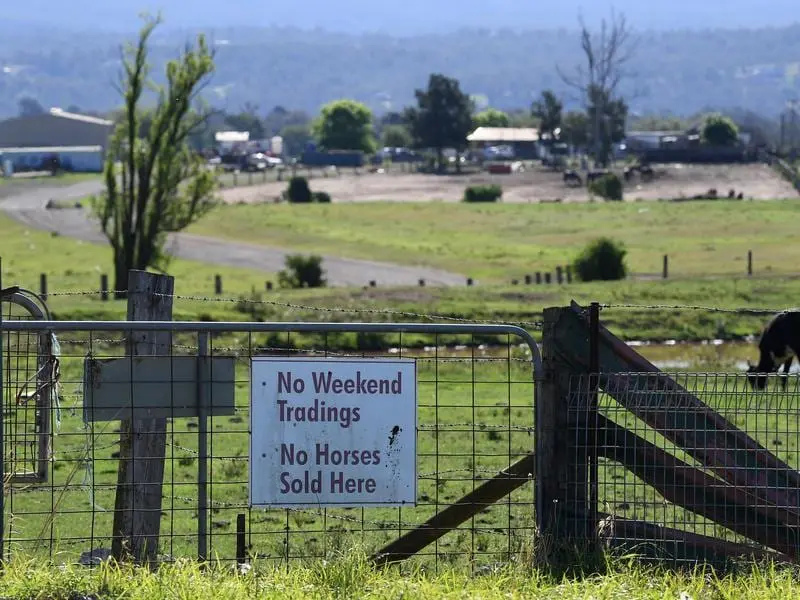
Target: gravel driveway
(28, 207)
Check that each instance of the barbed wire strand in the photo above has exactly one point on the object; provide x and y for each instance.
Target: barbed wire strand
(387, 311)
(755, 311)
(313, 308)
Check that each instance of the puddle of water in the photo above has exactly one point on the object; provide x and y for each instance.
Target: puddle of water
(670, 355)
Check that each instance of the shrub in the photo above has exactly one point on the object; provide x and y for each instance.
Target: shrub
(719, 130)
(483, 193)
(322, 197)
(302, 271)
(298, 190)
(602, 260)
(609, 186)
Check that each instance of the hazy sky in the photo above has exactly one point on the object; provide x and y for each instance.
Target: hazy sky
(409, 16)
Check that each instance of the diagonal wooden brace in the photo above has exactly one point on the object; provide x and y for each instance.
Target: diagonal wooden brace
(489, 492)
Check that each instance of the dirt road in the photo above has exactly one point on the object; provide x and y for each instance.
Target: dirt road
(757, 181)
(27, 206)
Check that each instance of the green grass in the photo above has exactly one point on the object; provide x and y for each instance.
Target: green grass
(352, 579)
(76, 266)
(72, 265)
(495, 243)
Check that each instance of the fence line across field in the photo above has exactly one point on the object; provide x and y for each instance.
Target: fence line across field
(477, 417)
(325, 309)
(587, 443)
(560, 275)
(759, 311)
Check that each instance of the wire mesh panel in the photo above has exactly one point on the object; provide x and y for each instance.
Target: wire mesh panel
(474, 418)
(693, 466)
(29, 371)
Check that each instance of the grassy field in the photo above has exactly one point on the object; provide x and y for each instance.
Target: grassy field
(73, 266)
(495, 243)
(351, 579)
(491, 396)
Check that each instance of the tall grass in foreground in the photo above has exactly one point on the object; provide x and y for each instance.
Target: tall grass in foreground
(352, 577)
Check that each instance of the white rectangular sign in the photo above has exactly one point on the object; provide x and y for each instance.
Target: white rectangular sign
(333, 432)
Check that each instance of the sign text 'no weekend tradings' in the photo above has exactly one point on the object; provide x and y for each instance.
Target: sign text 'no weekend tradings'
(334, 432)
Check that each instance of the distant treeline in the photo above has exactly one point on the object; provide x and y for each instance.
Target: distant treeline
(675, 72)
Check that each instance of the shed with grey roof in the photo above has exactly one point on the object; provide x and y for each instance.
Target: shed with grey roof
(55, 128)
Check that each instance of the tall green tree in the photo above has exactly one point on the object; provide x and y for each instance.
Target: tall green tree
(161, 186)
(345, 125)
(442, 118)
(547, 110)
(491, 117)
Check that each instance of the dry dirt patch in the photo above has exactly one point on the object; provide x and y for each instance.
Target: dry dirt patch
(755, 181)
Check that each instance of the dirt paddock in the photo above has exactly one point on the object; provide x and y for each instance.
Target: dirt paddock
(755, 181)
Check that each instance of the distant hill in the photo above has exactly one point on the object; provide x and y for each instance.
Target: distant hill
(411, 17)
(680, 72)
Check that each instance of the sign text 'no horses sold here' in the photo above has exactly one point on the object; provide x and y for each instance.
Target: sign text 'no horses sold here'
(333, 432)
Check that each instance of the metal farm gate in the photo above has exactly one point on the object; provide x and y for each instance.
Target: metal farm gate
(29, 370)
(474, 440)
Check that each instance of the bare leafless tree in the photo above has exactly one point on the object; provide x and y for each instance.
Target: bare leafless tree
(607, 55)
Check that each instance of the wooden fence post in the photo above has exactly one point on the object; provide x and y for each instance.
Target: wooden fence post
(665, 270)
(43, 286)
(104, 287)
(749, 262)
(142, 443)
(559, 275)
(563, 511)
(218, 284)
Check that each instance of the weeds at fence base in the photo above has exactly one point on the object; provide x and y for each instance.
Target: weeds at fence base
(569, 558)
(349, 575)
